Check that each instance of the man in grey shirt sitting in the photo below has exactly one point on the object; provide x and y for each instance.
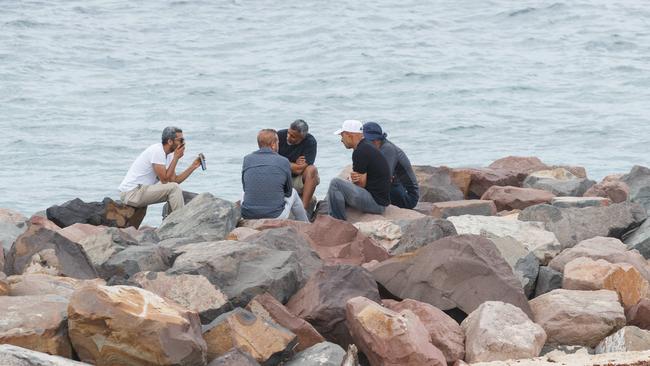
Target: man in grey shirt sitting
(266, 179)
(404, 190)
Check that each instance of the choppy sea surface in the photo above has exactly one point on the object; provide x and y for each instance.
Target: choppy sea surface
(85, 86)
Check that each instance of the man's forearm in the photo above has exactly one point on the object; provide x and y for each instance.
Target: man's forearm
(170, 173)
(297, 169)
(180, 178)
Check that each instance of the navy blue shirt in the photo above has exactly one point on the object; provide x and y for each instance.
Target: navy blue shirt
(367, 159)
(306, 148)
(266, 179)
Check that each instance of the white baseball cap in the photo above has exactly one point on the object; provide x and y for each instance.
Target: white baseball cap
(350, 125)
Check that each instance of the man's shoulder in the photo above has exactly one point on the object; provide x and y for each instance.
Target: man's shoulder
(310, 139)
(283, 132)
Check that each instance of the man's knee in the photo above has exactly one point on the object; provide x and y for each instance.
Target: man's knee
(336, 183)
(310, 172)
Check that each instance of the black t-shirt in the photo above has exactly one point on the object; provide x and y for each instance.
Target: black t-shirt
(306, 148)
(367, 159)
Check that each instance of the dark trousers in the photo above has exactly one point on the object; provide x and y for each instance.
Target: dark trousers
(402, 198)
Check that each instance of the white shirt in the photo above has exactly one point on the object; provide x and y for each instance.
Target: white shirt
(141, 171)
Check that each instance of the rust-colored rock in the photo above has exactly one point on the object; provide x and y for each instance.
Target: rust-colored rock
(519, 164)
(445, 333)
(586, 274)
(457, 271)
(78, 232)
(461, 179)
(192, 292)
(268, 308)
(390, 338)
(35, 322)
(267, 342)
(484, 178)
(322, 300)
(4, 285)
(628, 283)
(616, 191)
(241, 233)
(515, 198)
(111, 325)
(442, 210)
(639, 314)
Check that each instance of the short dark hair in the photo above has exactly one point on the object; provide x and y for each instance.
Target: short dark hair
(300, 126)
(266, 137)
(170, 133)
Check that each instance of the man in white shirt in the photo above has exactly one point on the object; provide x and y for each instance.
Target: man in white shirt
(157, 163)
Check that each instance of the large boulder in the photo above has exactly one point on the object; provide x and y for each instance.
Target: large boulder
(519, 164)
(457, 271)
(524, 264)
(267, 342)
(322, 300)
(445, 333)
(102, 245)
(390, 338)
(611, 187)
(241, 270)
(436, 184)
(268, 308)
(639, 239)
(573, 225)
(43, 284)
(628, 283)
(12, 225)
(515, 198)
(206, 218)
(107, 213)
(132, 326)
(392, 213)
(639, 314)
(558, 181)
(638, 180)
(609, 249)
(404, 236)
(11, 355)
(322, 354)
(531, 235)
(626, 339)
(126, 263)
(498, 331)
(289, 239)
(335, 241)
(548, 280)
(442, 210)
(484, 178)
(36, 322)
(78, 232)
(586, 274)
(42, 250)
(192, 292)
(573, 317)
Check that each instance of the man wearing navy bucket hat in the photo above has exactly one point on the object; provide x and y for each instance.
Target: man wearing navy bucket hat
(404, 190)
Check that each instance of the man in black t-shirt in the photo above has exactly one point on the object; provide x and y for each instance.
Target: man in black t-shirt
(368, 189)
(299, 146)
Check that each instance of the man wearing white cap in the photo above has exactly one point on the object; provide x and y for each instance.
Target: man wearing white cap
(368, 189)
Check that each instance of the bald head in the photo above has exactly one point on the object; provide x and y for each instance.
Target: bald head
(268, 138)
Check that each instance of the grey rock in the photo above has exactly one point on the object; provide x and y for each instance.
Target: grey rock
(626, 339)
(205, 217)
(436, 184)
(573, 225)
(638, 179)
(547, 280)
(639, 239)
(322, 354)
(122, 265)
(555, 349)
(241, 270)
(580, 202)
(288, 239)
(12, 225)
(100, 247)
(17, 356)
(566, 185)
(524, 264)
(234, 357)
(107, 213)
(2, 259)
(420, 232)
(528, 269)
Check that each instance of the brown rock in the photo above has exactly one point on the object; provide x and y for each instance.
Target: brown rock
(519, 164)
(78, 232)
(586, 274)
(42, 250)
(639, 314)
(322, 300)
(234, 357)
(572, 317)
(268, 308)
(515, 198)
(4, 285)
(616, 190)
(461, 179)
(457, 271)
(129, 325)
(192, 292)
(390, 338)
(578, 171)
(391, 213)
(445, 333)
(436, 184)
(628, 283)
(442, 210)
(241, 233)
(267, 342)
(43, 284)
(36, 322)
(484, 178)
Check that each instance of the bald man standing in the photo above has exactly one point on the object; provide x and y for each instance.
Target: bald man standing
(267, 183)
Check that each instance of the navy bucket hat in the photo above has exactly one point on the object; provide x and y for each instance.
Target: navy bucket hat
(372, 131)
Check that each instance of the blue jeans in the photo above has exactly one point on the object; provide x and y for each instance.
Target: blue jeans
(342, 193)
(401, 198)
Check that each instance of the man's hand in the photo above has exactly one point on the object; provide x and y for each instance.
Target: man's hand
(355, 177)
(196, 163)
(301, 161)
(179, 152)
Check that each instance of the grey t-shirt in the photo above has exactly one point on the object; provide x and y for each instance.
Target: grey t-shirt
(266, 179)
(400, 166)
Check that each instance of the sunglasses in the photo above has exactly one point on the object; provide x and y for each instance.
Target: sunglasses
(181, 139)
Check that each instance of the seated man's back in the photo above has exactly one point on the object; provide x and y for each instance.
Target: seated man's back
(265, 175)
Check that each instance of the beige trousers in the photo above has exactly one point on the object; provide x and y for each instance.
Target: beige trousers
(145, 195)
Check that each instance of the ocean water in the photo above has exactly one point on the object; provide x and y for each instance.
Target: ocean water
(85, 86)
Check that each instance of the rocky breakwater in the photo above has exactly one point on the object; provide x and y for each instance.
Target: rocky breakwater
(500, 265)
